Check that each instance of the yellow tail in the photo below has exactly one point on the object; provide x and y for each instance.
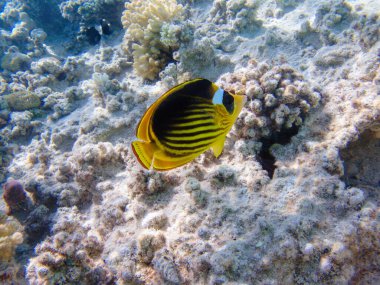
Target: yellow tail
(144, 151)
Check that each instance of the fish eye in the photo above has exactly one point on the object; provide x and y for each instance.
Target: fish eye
(228, 102)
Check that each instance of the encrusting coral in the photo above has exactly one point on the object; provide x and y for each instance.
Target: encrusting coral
(151, 33)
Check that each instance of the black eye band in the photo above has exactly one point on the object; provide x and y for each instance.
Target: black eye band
(228, 102)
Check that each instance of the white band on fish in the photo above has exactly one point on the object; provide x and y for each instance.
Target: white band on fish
(218, 97)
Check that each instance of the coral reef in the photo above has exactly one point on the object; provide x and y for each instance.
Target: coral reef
(44, 13)
(37, 224)
(71, 255)
(22, 40)
(292, 199)
(147, 244)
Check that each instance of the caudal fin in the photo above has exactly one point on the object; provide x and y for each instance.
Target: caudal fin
(144, 152)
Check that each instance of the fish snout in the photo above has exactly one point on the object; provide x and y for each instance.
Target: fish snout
(240, 101)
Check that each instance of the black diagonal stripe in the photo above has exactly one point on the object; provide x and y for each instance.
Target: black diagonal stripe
(191, 105)
(192, 134)
(198, 112)
(185, 140)
(193, 149)
(179, 127)
(184, 120)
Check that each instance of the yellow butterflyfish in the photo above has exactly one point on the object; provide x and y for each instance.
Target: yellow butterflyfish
(184, 122)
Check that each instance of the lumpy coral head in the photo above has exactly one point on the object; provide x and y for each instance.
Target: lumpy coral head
(14, 194)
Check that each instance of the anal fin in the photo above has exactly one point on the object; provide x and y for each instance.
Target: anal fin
(162, 161)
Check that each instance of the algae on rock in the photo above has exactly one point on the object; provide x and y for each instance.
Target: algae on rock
(22, 100)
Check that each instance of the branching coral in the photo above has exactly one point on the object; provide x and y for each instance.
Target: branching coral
(152, 33)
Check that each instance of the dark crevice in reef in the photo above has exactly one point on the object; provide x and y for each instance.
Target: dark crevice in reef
(266, 159)
(362, 161)
(47, 15)
(34, 214)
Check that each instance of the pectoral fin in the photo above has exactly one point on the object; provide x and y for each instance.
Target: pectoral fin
(217, 147)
